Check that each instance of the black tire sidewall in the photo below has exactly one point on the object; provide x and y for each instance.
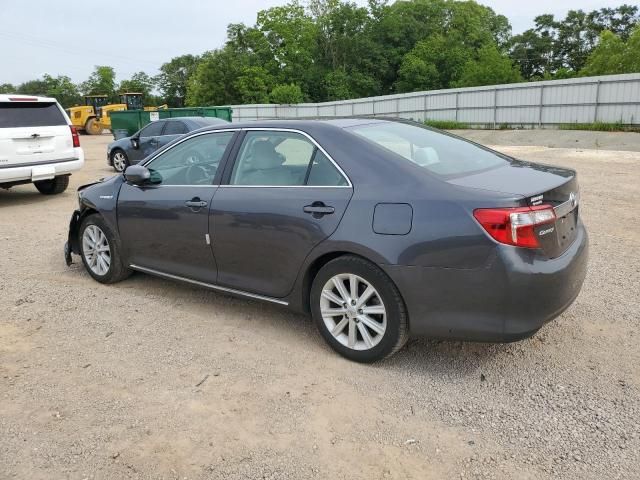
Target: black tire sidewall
(54, 186)
(396, 316)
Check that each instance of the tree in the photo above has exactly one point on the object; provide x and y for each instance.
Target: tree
(563, 46)
(174, 76)
(139, 82)
(489, 68)
(101, 82)
(402, 27)
(286, 94)
(7, 88)
(63, 90)
(213, 82)
(347, 56)
(434, 63)
(253, 85)
(290, 37)
(33, 87)
(533, 53)
(614, 55)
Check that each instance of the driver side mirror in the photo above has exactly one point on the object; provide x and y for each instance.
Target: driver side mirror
(137, 174)
(135, 142)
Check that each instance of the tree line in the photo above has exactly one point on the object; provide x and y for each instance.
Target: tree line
(334, 50)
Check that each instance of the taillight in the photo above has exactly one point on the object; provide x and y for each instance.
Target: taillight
(74, 136)
(515, 226)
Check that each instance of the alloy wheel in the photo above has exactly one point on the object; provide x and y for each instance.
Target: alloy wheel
(353, 311)
(119, 161)
(96, 251)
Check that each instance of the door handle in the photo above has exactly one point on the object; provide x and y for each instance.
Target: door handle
(318, 209)
(195, 203)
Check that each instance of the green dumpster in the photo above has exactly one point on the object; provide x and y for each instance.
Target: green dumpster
(126, 123)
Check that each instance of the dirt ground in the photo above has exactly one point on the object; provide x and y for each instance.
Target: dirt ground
(153, 379)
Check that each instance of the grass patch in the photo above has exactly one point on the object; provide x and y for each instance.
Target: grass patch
(446, 124)
(599, 127)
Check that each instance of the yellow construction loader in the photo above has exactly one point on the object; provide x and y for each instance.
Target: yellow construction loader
(94, 116)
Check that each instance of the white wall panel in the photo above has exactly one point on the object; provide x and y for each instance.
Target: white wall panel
(565, 101)
(476, 99)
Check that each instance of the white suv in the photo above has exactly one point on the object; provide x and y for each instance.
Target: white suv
(38, 144)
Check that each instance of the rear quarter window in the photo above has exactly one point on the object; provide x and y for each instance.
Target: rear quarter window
(434, 151)
(30, 114)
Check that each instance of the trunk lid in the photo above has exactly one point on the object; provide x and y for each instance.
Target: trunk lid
(537, 185)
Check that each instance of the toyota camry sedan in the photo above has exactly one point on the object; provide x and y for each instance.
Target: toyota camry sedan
(378, 229)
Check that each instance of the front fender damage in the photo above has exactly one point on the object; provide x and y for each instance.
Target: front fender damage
(72, 245)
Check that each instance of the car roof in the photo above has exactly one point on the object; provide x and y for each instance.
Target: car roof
(11, 97)
(204, 121)
(304, 124)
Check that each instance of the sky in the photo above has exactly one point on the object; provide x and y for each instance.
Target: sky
(69, 38)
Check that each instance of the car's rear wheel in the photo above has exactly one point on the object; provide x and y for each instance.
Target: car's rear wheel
(119, 160)
(100, 251)
(358, 310)
(54, 186)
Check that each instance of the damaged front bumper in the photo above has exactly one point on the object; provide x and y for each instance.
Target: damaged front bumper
(72, 244)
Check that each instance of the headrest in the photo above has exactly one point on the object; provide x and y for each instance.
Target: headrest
(425, 156)
(265, 155)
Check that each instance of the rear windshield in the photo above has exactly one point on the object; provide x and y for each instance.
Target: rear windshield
(30, 114)
(432, 150)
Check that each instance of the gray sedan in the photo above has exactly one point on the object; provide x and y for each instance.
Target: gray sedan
(131, 150)
(379, 229)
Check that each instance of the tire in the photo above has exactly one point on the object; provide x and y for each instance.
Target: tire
(119, 160)
(387, 332)
(54, 186)
(93, 225)
(92, 127)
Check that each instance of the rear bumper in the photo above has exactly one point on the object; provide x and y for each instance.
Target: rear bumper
(509, 299)
(41, 171)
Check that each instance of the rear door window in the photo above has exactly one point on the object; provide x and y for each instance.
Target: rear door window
(30, 114)
(175, 128)
(273, 159)
(279, 158)
(152, 130)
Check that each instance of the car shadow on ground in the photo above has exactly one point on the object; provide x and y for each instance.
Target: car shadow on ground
(421, 356)
(25, 195)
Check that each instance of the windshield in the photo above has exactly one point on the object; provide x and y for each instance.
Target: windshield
(437, 152)
(30, 114)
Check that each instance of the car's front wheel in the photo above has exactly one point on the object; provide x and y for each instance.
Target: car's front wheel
(119, 160)
(100, 251)
(358, 310)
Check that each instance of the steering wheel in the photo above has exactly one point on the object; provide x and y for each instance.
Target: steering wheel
(193, 157)
(196, 175)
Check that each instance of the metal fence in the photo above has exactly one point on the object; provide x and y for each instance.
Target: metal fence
(611, 98)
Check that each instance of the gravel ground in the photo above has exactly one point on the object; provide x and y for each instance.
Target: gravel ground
(153, 379)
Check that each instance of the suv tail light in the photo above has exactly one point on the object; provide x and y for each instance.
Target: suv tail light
(515, 226)
(74, 136)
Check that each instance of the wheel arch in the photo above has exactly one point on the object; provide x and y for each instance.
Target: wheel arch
(117, 149)
(113, 152)
(316, 264)
(74, 238)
